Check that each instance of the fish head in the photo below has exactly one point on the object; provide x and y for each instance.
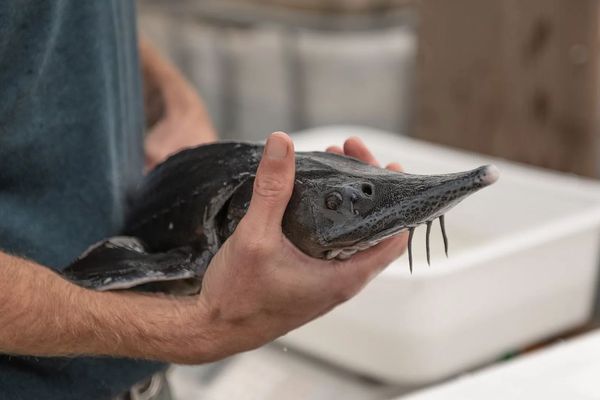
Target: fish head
(341, 206)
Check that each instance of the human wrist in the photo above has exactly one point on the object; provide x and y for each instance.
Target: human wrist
(157, 327)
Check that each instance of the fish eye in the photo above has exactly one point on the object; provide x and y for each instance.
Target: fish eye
(367, 189)
(333, 200)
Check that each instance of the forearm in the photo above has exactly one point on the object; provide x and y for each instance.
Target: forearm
(168, 94)
(44, 315)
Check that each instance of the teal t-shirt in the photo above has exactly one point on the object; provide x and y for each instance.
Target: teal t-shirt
(70, 152)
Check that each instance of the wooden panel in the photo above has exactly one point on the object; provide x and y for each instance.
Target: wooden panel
(513, 78)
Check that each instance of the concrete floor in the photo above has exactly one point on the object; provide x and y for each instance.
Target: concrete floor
(274, 373)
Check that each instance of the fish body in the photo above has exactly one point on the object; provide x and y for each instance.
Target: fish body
(189, 205)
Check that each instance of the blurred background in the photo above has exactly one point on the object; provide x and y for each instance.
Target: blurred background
(289, 65)
(501, 80)
(509, 78)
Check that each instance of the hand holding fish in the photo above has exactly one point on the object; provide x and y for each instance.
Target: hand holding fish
(259, 286)
(267, 239)
(266, 248)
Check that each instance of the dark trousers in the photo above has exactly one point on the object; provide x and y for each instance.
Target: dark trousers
(155, 388)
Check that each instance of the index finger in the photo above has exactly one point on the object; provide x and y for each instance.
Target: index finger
(373, 260)
(354, 147)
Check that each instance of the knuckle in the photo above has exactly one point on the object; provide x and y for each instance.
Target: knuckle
(345, 294)
(394, 167)
(345, 290)
(364, 276)
(269, 186)
(352, 282)
(257, 249)
(245, 228)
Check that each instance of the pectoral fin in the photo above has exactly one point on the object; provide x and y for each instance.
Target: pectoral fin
(123, 263)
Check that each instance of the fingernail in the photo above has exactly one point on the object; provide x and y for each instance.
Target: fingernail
(277, 147)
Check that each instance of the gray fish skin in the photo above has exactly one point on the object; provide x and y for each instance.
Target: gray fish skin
(339, 205)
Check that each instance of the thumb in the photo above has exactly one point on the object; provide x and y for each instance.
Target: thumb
(273, 184)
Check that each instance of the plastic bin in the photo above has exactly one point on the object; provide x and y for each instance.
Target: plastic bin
(564, 371)
(522, 267)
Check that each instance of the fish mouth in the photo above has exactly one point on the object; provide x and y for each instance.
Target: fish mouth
(452, 190)
(343, 253)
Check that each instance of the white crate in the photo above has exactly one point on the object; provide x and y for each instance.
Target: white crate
(523, 265)
(564, 371)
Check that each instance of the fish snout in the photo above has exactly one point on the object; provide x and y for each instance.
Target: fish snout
(445, 192)
(489, 174)
(452, 188)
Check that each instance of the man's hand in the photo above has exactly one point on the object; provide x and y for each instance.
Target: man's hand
(175, 114)
(259, 285)
(354, 147)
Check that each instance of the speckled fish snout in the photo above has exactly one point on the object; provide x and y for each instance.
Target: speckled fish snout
(369, 205)
(436, 194)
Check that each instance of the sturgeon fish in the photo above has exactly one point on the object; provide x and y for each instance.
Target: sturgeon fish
(190, 204)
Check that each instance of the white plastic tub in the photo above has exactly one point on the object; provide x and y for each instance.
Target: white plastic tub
(563, 371)
(522, 266)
